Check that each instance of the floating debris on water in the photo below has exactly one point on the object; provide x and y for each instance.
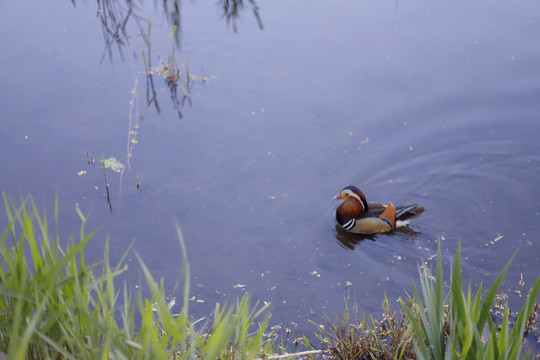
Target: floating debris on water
(89, 158)
(113, 164)
(492, 242)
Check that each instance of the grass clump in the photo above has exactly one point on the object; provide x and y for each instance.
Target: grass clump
(53, 305)
(463, 327)
(433, 326)
(354, 337)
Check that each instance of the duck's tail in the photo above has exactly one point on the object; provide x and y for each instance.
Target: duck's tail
(404, 213)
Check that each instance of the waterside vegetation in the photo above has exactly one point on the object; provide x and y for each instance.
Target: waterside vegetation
(432, 325)
(55, 305)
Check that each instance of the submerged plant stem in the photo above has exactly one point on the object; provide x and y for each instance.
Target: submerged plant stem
(106, 185)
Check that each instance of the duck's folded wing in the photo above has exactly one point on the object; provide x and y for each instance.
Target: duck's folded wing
(409, 212)
(375, 209)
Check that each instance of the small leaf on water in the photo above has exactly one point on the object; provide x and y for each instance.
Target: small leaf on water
(239, 286)
(82, 172)
(113, 164)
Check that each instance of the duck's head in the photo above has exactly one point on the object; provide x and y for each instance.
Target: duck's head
(352, 194)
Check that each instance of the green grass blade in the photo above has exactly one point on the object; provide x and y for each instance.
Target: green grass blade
(516, 336)
(490, 296)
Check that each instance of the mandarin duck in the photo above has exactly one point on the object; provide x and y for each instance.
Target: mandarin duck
(356, 215)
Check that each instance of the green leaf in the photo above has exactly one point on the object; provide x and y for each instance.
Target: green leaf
(113, 164)
(490, 296)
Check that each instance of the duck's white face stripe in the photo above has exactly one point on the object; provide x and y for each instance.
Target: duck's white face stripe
(355, 195)
(349, 224)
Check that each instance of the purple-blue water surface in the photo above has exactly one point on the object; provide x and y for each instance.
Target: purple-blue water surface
(415, 102)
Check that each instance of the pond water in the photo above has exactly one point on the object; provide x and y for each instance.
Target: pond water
(422, 102)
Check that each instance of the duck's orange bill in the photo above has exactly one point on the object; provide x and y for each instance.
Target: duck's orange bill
(338, 197)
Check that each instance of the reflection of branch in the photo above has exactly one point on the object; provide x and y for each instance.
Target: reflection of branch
(89, 158)
(150, 88)
(232, 9)
(171, 8)
(115, 17)
(171, 74)
(173, 78)
(106, 184)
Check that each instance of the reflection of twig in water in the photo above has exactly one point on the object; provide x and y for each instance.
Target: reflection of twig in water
(151, 88)
(232, 8)
(174, 77)
(115, 17)
(149, 75)
(89, 158)
(173, 15)
(106, 184)
(171, 74)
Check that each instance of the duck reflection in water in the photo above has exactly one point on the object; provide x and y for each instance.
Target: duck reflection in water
(349, 240)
